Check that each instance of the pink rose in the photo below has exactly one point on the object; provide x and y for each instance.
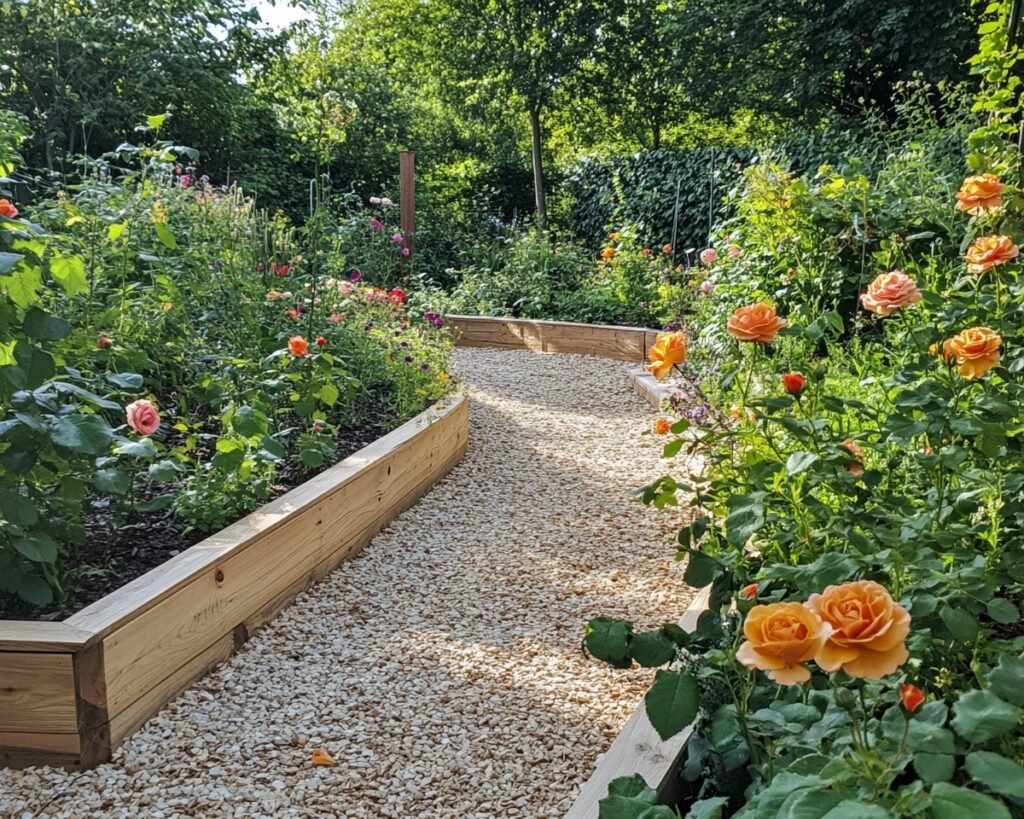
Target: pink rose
(397, 238)
(706, 286)
(142, 417)
(376, 224)
(734, 251)
(708, 256)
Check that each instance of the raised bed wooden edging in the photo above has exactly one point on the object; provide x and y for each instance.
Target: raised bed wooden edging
(623, 343)
(638, 749)
(72, 691)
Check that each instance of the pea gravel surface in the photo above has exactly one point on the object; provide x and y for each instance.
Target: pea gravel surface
(441, 667)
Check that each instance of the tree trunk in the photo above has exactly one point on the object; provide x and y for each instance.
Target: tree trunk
(538, 170)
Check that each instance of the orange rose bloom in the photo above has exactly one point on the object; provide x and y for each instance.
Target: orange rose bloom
(976, 351)
(911, 697)
(869, 629)
(298, 346)
(7, 209)
(890, 292)
(793, 383)
(854, 449)
(669, 349)
(755, 322)
(988, 251)
(944, 351)
(980, 194)
(781, 637)
(662, 426)
(608, 253)
(666, 248)
(646, 251)
(749, 591)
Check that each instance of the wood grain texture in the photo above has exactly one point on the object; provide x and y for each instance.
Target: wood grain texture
(622, 343)
(21, 749)
(37, 693)
(638, 749)
(40, 636)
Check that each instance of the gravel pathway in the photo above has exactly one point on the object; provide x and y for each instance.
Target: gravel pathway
(441, 667)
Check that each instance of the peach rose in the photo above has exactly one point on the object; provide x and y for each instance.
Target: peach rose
(976, 351)
(781, 637)
(708, 256)
(980, 194)
(8, 209)
(851, 446)
(662, 426)
(142, 417)
(755, 322)
(988, 251)
(608, 254)
(298, 346)
(669, 349)
(868, 629)
(890, 292)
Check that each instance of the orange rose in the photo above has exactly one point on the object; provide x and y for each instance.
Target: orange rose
(781, 637)
(976, 351)
(646, 251)
(890, 292)
(911, 697)
(608, 254)
(662, 426)
(7, 209)
(755, 322)
(944, 351)
(298, 346)
(793, 383)
(851, 446)
(989, 251)
(669, 349)
(980, 194)
(666, 249)
(868, 629)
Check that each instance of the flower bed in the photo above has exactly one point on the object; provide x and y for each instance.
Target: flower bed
(71, 691)
(858, 531)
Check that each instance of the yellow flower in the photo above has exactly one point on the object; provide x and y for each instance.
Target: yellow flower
(669, 350)
(976, 351)
(980, 194)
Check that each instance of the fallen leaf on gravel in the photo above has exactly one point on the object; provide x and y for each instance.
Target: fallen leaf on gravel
(321, 757)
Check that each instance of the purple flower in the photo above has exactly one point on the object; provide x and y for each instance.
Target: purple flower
(356, 276)
(424, 367)
(408, 359)
(430, 315)
(376, 224)
(369, 326)
(406, 251)
(439, 322)
(397, 238)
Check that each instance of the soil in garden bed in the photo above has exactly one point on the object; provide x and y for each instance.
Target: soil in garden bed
(110, 559)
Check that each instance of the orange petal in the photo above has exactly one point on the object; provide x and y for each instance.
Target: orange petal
(321, 757)
(873, 665)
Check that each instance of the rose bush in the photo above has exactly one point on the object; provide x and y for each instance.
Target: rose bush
(860, 531)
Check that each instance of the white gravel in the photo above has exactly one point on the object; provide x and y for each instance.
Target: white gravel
(442, 667)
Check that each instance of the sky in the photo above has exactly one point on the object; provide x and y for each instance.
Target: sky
(279, 14)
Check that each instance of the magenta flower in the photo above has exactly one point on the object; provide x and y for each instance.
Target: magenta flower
(356, 276)
(397, 238)
(376, 224)
(406, 251)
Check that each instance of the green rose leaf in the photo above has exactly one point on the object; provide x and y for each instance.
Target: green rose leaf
(126, 381)
(652, 648)
(88, 434)
(41, 326)
(38, 547)
(112, 481)
(997, 773)
(952, 802)
(800, 462)
(745, 518)
(249, 422)
(672, 702)
(701, 570)
(962, 625)
(979, 716)
(1002, 611)
(608, 639)
(934, 767)
(707, 808)
(850, 809)
(69, 273)
(1006, 680)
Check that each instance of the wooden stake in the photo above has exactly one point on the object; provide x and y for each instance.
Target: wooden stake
(407, 175)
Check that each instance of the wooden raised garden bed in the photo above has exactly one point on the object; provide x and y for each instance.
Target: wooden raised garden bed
(71, 691)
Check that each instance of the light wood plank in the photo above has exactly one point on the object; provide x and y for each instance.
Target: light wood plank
(228, 591)
(37, 693)
(638, 749)
(40, 636)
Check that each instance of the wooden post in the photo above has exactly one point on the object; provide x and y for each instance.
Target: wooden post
(407, 177)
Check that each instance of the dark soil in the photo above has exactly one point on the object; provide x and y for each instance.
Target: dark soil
(112, 557)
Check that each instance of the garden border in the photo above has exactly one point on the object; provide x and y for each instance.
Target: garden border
(638, 749)
(72, 691)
